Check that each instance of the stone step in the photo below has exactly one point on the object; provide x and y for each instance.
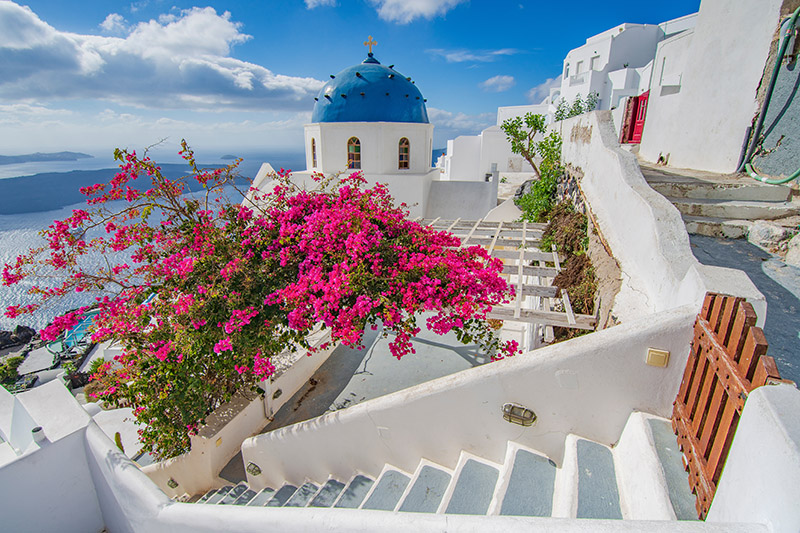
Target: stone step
(246, 497)
(262, 498)
(598, 495)
(303, 495)
(233, 494)
(473, 486)
(356, 491)
(206, 496)
(671, 459)
(282, 496)
(328, 494)
(734, 209)
(699, 189)
(217, 496)
(530, 487)
(717, 227)
(427, 488)
(388, 490)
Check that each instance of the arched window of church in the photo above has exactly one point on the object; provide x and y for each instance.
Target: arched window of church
(313, 152)
(354, 153)
(404, 154)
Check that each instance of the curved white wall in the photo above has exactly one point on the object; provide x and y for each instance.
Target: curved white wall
(645, 232)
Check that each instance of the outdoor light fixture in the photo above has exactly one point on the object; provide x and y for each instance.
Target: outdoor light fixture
(253, 469)
(517, 414)
(657, 357)
(171, 483)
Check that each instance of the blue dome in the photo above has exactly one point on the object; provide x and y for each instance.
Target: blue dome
(370, 92)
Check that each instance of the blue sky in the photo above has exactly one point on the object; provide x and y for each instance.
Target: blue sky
(241, 75)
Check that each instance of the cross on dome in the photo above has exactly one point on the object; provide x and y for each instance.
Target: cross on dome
(369, 42)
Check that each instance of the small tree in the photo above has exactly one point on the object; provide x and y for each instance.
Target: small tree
(213, 289)
(537, 204)
(521, 132)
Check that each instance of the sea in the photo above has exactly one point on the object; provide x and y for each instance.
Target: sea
(33, 195)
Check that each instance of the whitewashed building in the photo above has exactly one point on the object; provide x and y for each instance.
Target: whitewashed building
(616, 63)
(704, 96)
(473, 157)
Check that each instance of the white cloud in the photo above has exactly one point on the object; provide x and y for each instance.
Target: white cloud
(462, 55)
(179, 61)
(542, 91)
(498, 84)
(311, 4)
(114, 23)
(404, 11)
(136, 6)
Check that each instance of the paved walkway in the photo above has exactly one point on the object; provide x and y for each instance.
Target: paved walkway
(779, 283)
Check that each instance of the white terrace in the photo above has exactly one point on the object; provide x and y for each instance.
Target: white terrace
(601, 450)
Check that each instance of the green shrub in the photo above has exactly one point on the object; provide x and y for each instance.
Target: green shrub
(8, 369)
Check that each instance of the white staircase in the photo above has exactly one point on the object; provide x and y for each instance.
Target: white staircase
(594, 481)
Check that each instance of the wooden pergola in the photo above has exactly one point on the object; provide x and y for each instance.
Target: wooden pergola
(527, 267)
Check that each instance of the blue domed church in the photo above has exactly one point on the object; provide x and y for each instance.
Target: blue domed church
(372, 118)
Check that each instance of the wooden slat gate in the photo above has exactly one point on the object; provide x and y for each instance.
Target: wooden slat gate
(727, 360)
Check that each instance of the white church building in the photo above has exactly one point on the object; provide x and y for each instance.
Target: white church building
(372, 118)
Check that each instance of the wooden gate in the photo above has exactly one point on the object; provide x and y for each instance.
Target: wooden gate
(641, 113)
(726, 362)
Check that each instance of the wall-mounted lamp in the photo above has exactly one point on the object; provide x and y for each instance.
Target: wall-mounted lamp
(253, 469)
(518, 414)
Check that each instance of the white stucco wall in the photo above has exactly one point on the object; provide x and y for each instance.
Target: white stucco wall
(587, 386)
(379, 146)
(644, 230)
(760, 480)
(463, 158)
(663, 106)
(705, 128)
(48, 487)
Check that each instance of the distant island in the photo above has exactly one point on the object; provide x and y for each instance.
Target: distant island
(229, 157)
(39, 156)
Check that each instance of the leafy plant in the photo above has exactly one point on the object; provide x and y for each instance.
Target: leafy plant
(522, 133)
(8, 369)
(579, 106)
(214, 289)
(69, 368)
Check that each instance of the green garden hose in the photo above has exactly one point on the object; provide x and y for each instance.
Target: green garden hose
(746, 165)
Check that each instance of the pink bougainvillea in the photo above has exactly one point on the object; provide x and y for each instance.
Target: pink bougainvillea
(211, 289)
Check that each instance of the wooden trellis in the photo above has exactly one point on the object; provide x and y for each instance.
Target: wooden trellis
(517, 244)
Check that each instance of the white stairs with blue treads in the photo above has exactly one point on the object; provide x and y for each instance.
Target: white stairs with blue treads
(590, 483)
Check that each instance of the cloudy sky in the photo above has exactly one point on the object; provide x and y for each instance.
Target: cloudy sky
(242, 75)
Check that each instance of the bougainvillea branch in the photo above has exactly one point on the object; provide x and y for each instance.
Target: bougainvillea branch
(210, 290)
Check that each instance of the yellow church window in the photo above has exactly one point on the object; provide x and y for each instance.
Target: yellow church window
(313, 153)
(404, 154)
(354, 153)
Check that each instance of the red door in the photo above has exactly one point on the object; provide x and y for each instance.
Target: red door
(641, 112)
